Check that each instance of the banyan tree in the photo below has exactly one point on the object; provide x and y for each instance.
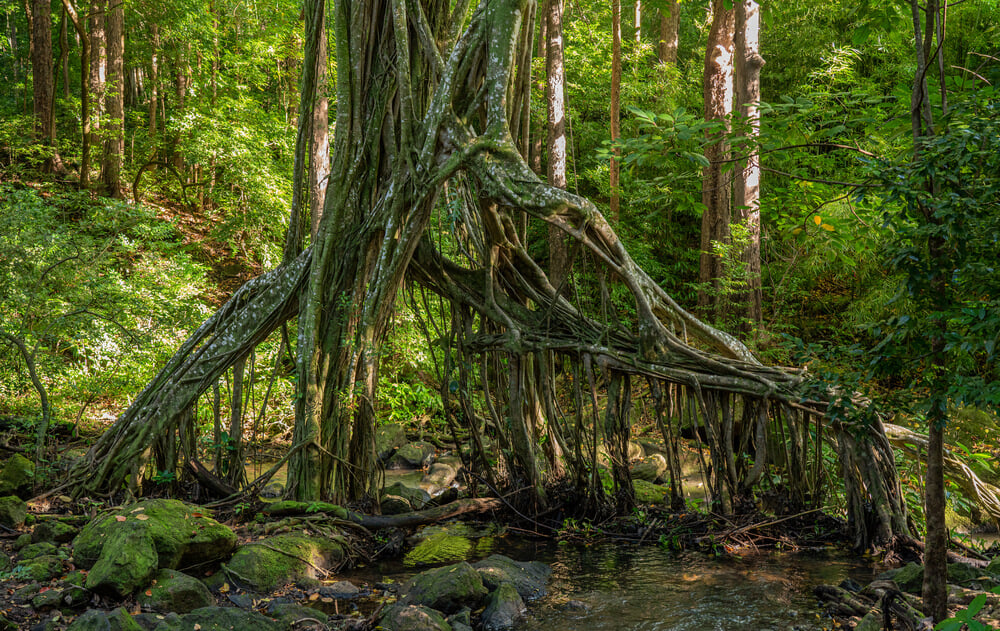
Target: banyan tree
(431, 122)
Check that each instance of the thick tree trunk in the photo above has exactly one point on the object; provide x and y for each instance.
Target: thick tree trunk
(556, 144)
(43, 80)
(319, 142)
(670, 24)
(64, 52)
(935, 588)
(616, 83)
(114, 103)
(746, 200)
(716, 191)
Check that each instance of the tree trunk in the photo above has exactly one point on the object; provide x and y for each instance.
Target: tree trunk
(114, 103)
(935, 588)
(716, 191)
(319, 143)
(81, 31)
(42, 80)
(747, 186)
(670, 23)
(637, 20)
(555, 94)
(98, 68)
(616, 86)
(154, 81)
(64, 52)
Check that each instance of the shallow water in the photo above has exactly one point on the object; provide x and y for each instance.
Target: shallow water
(609, 587)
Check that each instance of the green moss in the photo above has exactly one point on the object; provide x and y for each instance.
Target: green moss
(440, 547)
(288, 507)
(649, 493)
(277, 561)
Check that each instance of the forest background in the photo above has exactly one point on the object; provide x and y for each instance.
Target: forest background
(114, 249)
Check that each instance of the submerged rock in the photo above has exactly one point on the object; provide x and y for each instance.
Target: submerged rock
(447, 589)
(182, 534)
(265, 565)
(529, 578)
(440, 547)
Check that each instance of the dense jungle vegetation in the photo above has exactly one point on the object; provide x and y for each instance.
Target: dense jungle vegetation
(533, 232)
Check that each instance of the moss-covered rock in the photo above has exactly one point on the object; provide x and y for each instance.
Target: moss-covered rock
(292, 615)
(649, 493)
(439, 476)
(389, 438)
(173, 591)
(910, 578)
(35, 550)
(529, 578)
(402, 617)
(649, 469)
(55, 531)
(415, 497)
(440, 547)
(13, 511)
(41, 569)
(412, 456)
(271, 563)
(128, 560)
(97, 620)
(17, 476)
(446, 589)
(183, 534)
(219, 618)
(22, 541)
(504, 609)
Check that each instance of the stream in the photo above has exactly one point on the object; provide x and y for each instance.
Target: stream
(608, 586)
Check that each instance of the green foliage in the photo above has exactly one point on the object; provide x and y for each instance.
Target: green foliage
(99, 292)
(966, 618)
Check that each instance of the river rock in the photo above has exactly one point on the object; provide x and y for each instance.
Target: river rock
(53, 530)
(649, 493)
(871, 622)
(182, 534)
(174, 591)
(128, 562)
(265, 565)
(401, 617)
(208, 618)
(529, 578)
(909, 578)
(446, 589)
(340, 589)
(13, 511)
(650, 469)
(439, 476)
(504, 610)
(415, 499)
(97, 620)
(389, 438)
(17, 477)
(412, 456)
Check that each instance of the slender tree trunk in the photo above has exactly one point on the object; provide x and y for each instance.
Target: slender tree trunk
(616, 85)
(98, 68)
(748, 64)
(537, 142)
(556, 144)
(42, 80)
(154, 81)
(181, 78)
(716, 192)
(670, 23)
(81, 31)
(638, 21)
(114, 102)
(64, 52)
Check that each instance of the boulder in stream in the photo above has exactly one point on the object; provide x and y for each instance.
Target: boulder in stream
(529, 578)
(504, 610)
(414, 455)
(389, 438)
(447, 589)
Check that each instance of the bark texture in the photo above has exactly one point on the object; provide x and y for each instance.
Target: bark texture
(114, 102)
(670, 23)
(43, 79)
(555, 92)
